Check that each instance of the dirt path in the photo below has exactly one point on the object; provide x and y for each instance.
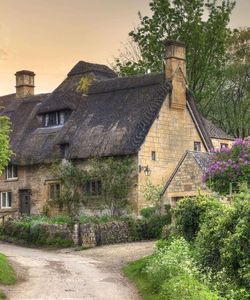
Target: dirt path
(67, 274)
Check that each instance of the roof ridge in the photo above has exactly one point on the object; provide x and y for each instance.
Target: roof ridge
(127, 82)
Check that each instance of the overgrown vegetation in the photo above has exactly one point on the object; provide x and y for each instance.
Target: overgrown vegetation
(5, 151)
(206, 256)
(35, 231)
(114, 176)
(229, 167)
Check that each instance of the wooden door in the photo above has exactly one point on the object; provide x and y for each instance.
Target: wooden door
(24, 196)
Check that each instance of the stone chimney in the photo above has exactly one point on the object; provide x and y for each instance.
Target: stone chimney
(24, 83)
(175, 70)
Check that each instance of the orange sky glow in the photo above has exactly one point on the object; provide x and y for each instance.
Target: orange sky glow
(50, 36)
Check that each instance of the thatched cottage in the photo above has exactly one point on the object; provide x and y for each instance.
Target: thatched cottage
(153, 118)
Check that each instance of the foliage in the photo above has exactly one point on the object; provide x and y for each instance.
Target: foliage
(170, 273)
(135, 272)
(167, 262)
(230, 107)
(96, 219)
(7, 274)
(198, 23)
(115, 175)
(72, 180)
(148, 212)
(223, 242)
(191, 212)
(152, 194)
(35, 230)
(186, 287)
(5, 151)
(229, 166)
(84, 84)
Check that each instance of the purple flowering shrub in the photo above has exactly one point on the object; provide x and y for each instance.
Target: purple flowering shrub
(229, 166)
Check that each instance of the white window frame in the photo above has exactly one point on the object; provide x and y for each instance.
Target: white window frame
(10, 176)
(7, 200)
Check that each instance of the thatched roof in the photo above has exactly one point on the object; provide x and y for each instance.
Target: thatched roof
(110, 115)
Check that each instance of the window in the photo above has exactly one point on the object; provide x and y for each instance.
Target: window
(6, 199)
(93, 188)
(223, 145)
(64, 150)
(11, 172)
(55, 118)
(153, 155)
(54, 191)
(197, 146)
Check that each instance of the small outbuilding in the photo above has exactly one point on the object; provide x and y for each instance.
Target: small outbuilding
(186, 179)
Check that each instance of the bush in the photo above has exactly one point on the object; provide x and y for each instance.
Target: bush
(223, 243)
(172, 260)
(229, 166)
(186, 287)
(148, 212)
(190, 213)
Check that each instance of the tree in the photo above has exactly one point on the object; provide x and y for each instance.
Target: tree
(229, 167)
(5, 151)
(230, 108)
(206, 39)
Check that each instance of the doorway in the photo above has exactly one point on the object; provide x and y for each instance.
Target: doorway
(24, 202)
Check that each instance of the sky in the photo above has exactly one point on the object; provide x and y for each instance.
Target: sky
(50, 36)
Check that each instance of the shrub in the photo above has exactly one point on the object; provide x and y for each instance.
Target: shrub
(191, 212)
(186, 287)
(223, 242)
(173, 260)
(229, 166)
(148, 212)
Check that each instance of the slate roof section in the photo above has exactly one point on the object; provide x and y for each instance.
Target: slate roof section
(215, 132)
(202, 159)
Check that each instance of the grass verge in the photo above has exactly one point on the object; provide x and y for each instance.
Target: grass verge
(7, 274)
(134, 271)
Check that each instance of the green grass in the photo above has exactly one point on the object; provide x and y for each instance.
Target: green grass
(134, 271)
(7, 274)
(2, 295)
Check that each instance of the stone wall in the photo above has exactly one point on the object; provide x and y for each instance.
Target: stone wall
(37, 178)
(217, 143)
(34, 178)
(186, 182)
(86, 235)
(171, 134)
(92, 235)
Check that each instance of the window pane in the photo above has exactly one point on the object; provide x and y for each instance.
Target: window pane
(15, 172)
(3, 196)
(197, 146)
(46, 123)
(153, 155)
(9, 202)
(62, 119)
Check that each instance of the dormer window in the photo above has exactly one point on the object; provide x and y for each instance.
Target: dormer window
(55, 118)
